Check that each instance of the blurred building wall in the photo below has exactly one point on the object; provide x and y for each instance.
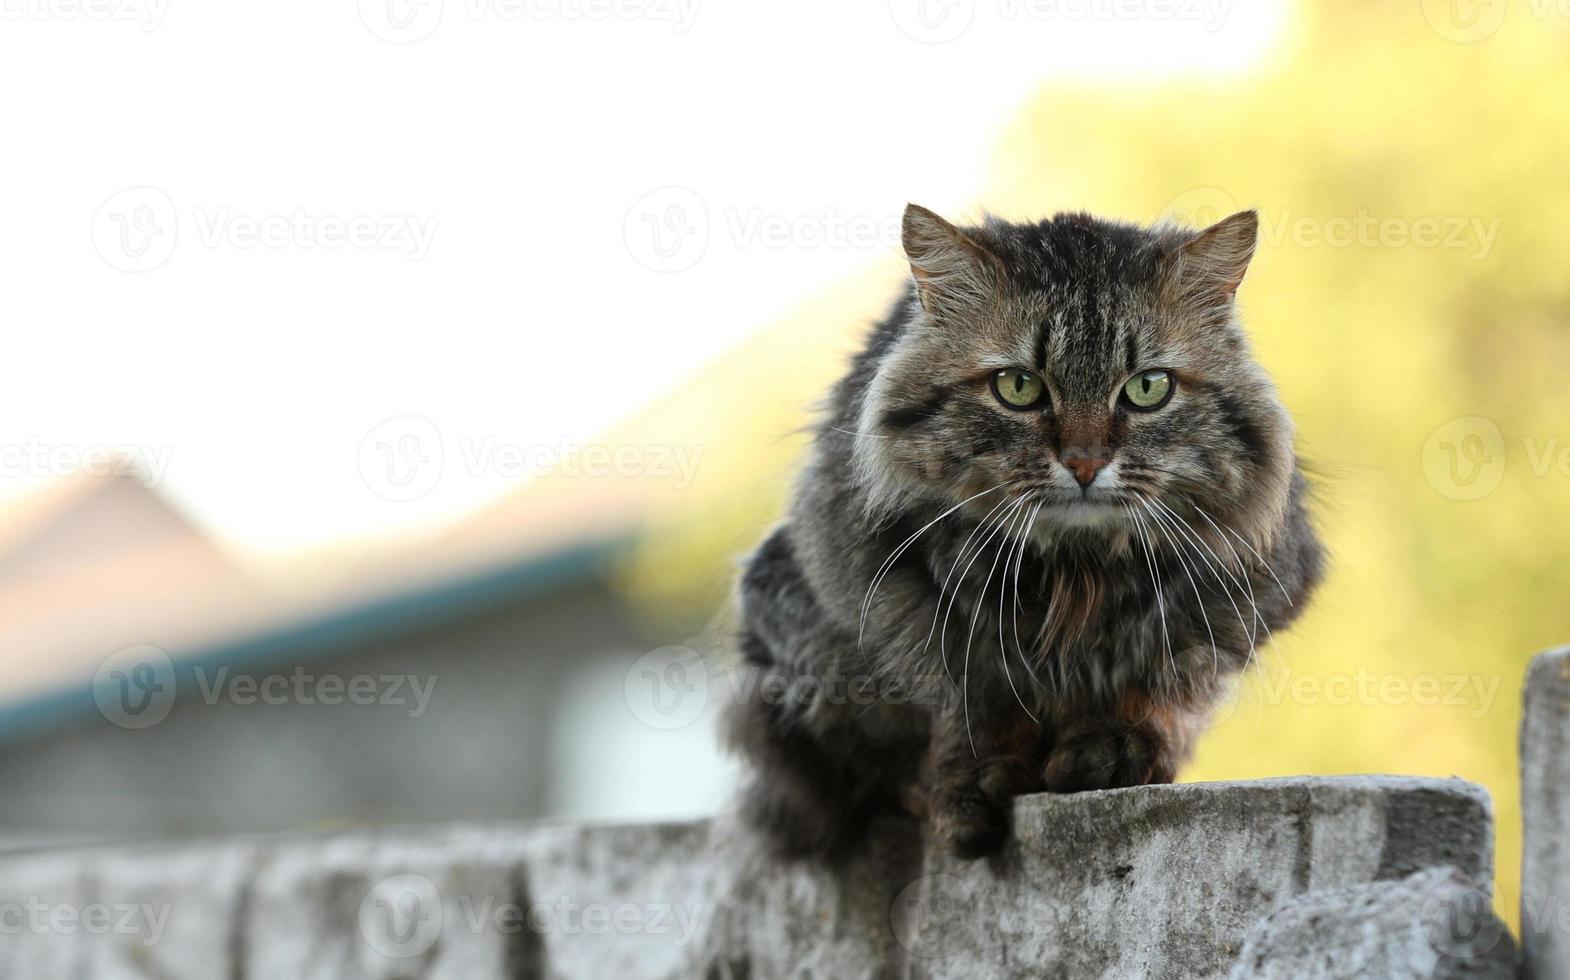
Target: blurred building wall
(482, 746)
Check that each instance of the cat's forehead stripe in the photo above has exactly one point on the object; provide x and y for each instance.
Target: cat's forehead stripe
(1084, 334)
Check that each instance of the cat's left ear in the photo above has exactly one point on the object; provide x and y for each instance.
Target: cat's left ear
(1213, 262)
(953, 271)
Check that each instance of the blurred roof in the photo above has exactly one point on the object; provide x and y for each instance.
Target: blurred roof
(98, 563)
(96, 557)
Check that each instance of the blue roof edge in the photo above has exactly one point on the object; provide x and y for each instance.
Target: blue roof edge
(338, 631)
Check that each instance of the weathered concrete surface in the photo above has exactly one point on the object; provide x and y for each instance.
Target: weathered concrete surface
(1167, 881)
(384, 906)
(102, 913)
(1545, 812)
(1432, 925)
(1156, 881)
(729, 911)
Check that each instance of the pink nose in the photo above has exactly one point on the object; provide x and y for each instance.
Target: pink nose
(1084, 467)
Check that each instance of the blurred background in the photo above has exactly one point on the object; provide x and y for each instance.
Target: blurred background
(394, 386)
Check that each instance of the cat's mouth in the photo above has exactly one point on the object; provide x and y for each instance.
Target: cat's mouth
(1098, 507)
(1052, 496)
(1085, 505)
(1097, 502)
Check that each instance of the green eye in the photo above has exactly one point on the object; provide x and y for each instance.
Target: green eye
(1149, 390)
(1018, 388)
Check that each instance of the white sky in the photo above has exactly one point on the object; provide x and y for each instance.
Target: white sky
(528, 131)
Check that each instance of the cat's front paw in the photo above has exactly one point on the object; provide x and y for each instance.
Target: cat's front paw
(1107, 756)
(970, 810)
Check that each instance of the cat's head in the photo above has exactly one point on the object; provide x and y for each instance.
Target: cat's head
(1096, 365)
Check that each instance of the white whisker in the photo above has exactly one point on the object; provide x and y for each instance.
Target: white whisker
(1248, 587)
(1003, 648)
(942, 650)
(1155, 578)
(1155, 515)
(1244, 541)
(1019, 559)
(888, 563)
(964, 675)
(1215, 570)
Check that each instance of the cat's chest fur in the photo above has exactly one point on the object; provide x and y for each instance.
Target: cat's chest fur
(1060, 621)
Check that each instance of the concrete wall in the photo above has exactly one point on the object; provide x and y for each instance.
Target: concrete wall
(1194, 880)
(1545, 810)
(1290, 878)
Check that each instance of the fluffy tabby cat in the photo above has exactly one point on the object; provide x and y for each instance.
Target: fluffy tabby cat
(1053, 510)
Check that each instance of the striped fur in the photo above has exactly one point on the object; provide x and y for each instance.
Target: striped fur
(1039, 635)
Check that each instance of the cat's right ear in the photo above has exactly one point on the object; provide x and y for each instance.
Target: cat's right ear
(952, 270)
(1211, 264)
